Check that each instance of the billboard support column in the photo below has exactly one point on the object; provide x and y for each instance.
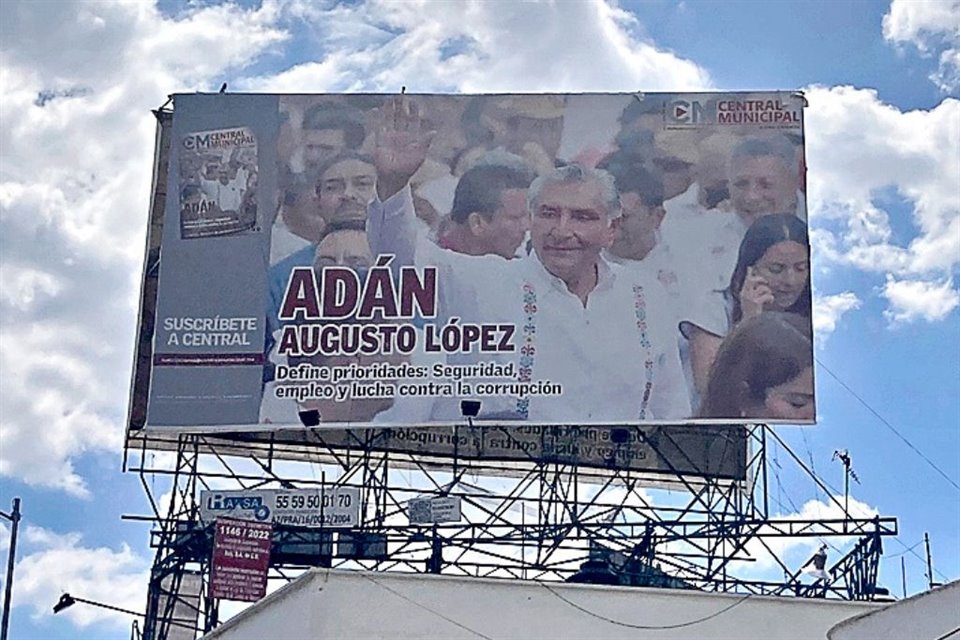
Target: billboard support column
(435, 563)
(178, 541)
(763, 469)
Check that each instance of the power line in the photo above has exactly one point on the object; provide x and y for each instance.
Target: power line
(905, 551)
(426, 608)
(831, 495)
(834, 492)
(921, 559)
(796, 509)
(813, 468)
(950, 634)
(916, 555)
(888, 425)
(629, 625)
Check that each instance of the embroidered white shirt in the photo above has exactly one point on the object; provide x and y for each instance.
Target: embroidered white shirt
(597, 353)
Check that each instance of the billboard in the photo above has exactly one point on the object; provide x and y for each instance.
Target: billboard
(370, 261)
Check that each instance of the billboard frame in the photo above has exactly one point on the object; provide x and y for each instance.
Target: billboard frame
(305, 444)
(142, 366)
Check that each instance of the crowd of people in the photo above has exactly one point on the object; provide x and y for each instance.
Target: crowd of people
(655, 273)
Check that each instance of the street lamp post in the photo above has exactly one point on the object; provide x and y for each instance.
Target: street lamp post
(66, 601)
(14, 517)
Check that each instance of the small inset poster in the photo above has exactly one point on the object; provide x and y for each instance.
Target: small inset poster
(218, 178)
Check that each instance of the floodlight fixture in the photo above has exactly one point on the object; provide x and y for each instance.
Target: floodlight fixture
(470, 408)
(66, 601)
(310, 418)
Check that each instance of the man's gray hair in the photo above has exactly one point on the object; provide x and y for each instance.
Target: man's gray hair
(500, 157)
(778, 147)
(573, 173)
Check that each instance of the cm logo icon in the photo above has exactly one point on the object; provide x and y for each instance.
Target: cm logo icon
(689, 112)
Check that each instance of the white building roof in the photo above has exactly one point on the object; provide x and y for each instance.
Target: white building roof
(358, 604)
(932, 615)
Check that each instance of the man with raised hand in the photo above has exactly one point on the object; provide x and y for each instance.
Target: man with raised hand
(308, 141)
(579, 322)
(355, 187)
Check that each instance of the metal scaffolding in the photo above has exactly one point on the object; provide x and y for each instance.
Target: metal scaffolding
(541, 520)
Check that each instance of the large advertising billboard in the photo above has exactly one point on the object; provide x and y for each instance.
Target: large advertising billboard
(372, 261)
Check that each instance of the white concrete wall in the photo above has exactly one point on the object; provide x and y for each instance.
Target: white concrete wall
(282, 614)
(927, 616)
(340, 604)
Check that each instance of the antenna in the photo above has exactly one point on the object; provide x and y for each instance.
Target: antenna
(844, 456)
(930, 583)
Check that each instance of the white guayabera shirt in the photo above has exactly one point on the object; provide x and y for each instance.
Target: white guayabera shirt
(616, 358)
(228, 196)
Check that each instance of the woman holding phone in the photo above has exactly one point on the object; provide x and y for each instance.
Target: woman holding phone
(772, 274)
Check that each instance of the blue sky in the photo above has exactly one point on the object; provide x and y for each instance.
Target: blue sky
(883, 133)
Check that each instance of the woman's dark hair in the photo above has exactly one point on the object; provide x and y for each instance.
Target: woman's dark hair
(766, 232)
(762, 352)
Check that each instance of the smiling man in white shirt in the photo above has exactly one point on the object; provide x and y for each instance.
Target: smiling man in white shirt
(763, 179)
(594, 328)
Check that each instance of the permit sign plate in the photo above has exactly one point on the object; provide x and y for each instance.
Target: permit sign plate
(437, 509)
(241, 556)
(328, 507)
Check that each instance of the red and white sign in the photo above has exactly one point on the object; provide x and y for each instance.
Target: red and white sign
(241, 555)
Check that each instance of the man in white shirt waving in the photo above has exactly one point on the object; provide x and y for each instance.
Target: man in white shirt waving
(590, 327)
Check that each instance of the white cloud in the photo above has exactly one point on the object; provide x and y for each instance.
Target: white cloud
(481, 47)
(929, 25)
(947, 75)
(794, 550)
(919, 300)
(21, 287)
(923, 21)
(59, 563)
(827, 311)
(860, 150)
(4, 537)
(77, 138)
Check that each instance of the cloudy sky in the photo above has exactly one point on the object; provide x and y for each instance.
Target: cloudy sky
(78, 79)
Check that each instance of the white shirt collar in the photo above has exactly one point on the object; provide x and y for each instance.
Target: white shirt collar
(687, 199)
(605, 275)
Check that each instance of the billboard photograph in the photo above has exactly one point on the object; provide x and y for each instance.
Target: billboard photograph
(372, 261)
